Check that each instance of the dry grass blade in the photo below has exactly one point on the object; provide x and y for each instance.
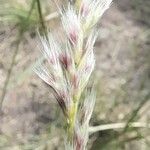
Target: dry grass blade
(114, 126)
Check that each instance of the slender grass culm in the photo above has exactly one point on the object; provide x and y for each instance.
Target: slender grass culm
(69, 67)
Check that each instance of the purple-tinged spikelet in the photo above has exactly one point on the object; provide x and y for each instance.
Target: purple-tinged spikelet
(72, 24)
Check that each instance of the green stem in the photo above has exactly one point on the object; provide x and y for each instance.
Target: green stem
(10, 69)
(72, 121)
(41, 18)
(31, 9)
(14, 57)
(135, 112)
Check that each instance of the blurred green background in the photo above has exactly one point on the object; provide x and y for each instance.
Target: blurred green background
(30, 118)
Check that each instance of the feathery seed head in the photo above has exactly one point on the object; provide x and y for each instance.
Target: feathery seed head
(69, 68)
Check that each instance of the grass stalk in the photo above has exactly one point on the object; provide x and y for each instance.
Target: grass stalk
(135, 112)
(4, 90)
(114, 126)
(71, 123)
(41, 17)
(17, 42)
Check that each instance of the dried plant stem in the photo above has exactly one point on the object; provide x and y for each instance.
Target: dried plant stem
(51, 16)
(118, 126)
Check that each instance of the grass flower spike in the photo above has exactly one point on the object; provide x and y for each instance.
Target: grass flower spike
(69, 67)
